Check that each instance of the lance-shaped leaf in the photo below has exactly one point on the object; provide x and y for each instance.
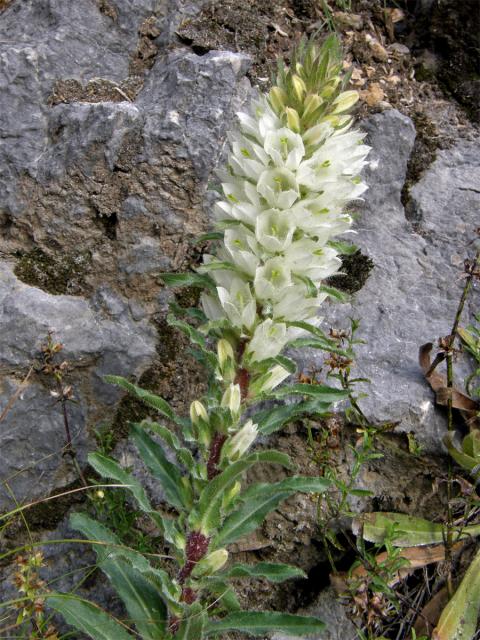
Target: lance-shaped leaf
(192, 626)
(258, 623)
(275, 572)
(195, 338)
(272, 420)
(224, 593)
(109, 468)
(209, 506)
(109, 547)
(333, 292)
(460, 617)
(176, 491)
(258, 501)
(87, 617)
(184, 456)
(321, 392)
(409, 530)
(145, 396)
(200, 281)
(463, 456)
(145, 607)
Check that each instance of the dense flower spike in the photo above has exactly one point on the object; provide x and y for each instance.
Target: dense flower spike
(293, 166)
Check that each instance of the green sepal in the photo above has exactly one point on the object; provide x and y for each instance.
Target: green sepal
(310, 286)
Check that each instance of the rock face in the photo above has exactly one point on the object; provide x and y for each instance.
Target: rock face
(413, 290)
(107, 141)
(109, 131)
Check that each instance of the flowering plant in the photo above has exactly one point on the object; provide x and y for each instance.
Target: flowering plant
(293, 166)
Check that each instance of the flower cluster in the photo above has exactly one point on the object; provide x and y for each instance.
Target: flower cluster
(288, 181)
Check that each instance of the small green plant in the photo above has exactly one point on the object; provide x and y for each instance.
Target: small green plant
(459, 618)
(293, 165)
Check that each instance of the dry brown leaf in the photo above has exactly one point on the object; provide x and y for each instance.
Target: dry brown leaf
(431, 612)
(417, 557)
(373, 94)
(467, 406)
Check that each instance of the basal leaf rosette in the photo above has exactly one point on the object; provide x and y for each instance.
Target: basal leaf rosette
(294, 165)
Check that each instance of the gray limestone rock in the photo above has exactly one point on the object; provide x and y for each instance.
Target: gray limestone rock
(92, 176)
(332, 613)
(33, 434)
(412, 293)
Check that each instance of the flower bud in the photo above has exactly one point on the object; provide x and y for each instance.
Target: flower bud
(278, 98)
(274, 376)
(312, 102)
(293, 119)
(299, 88)
(240, 442)
(225, 352)
(198, 412)
(345, 101)
(232, 399)
(211, 563)
(226, 360)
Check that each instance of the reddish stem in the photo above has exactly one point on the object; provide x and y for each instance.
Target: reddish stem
(197, 547)
(243, 380)
(214, 457)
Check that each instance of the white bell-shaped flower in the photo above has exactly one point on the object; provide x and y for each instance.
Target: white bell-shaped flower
(271, 279)
(274, 229)
(268, 340)
(285, 148)
(279, 187)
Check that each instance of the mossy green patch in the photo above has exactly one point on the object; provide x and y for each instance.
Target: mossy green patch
(354, 274)
(63, 274)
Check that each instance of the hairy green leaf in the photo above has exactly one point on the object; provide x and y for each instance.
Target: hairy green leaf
(460, 617)
(109, 468)
(258, 623)
(145, 396)
(210, 502)
(409, 530)
(142, 600)
(271, 420)
(275, 572)
(184, 456)
(87, 617)
(193, 624)
(176, 491)
(319, 391)
(197, 280)
(258, 501)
